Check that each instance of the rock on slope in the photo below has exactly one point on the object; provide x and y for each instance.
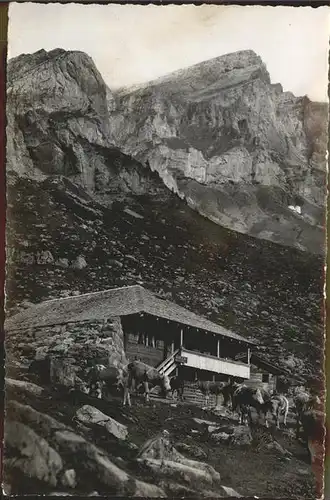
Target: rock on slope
(236, 147)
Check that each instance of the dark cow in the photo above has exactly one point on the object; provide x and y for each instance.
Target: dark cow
(303, 402)
(313, 436)
(275, 404)
(229, 390)
(177, 386)
(139, 372)
(217, 388)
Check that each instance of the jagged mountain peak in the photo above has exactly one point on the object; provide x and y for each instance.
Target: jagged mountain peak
(237, 147)
(58, 118)
(53, 60)
(245, 63)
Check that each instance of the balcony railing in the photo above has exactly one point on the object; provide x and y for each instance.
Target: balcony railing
(207, 362)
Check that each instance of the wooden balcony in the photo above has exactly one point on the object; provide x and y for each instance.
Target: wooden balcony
(201, 361)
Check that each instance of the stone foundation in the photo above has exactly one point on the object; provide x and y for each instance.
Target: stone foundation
(71, 347)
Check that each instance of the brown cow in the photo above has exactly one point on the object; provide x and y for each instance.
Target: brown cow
(139, 372)
(208, 387)
(243, 399)
(107, 378)
(226, 389)
(277, 405)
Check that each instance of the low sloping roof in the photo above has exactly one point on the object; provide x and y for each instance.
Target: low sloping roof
(266, 365)
(114, 302)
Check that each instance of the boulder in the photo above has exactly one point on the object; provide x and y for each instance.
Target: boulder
(159, 456)
(147, 490)
(92, 416)
(69, 479)
(45, 257)
(31, 454)
(79, 263)
(190, 474)
(241, 436)
(22, 385)
(177, 489)
(220, 437)
(25, 414)
(192, 450)
(277, 448)
(230, 492)
(62, 262)
(205, 422)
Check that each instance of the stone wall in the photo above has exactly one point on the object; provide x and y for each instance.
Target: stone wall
(70, 348)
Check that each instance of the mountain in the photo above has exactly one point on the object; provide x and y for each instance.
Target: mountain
(236, 147)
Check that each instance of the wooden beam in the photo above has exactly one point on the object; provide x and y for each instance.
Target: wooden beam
(218, 348)
(249, 355)
(181, 337)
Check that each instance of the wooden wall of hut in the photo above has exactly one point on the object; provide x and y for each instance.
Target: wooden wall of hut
(149, 339)
(261, 379)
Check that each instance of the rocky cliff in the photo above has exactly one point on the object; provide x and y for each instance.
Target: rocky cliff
(236, 147)
(58, 124)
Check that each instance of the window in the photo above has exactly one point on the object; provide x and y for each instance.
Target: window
(265, 378)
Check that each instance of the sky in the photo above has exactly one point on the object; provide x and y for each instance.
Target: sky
(131, 44)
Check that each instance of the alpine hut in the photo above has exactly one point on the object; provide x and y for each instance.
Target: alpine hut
(130, 323)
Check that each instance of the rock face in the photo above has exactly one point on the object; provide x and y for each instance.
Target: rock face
(235, 146)
(58, 124)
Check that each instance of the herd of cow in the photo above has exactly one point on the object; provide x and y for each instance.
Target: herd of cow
(137, 375)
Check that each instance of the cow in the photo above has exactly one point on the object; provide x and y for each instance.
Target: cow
(177, 386)
(105, 378)
(303, 401)
(312, 421)
(139, 372)
(277, 405)
(226, 389)
(243, 399)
